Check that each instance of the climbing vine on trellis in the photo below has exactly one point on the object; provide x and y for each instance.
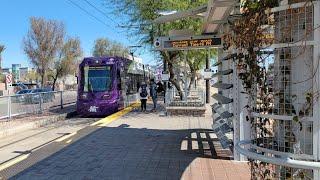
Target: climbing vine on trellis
(248, 34)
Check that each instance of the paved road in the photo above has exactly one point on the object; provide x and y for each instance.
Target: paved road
(142, 146)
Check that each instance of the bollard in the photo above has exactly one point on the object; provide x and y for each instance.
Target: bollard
(40, 103)
(9, 107)
(61, 99)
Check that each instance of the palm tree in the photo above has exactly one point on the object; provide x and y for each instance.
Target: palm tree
(2, 48)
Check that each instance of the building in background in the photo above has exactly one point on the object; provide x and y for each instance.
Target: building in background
(20, 74)
(16, 72)
(6, 70)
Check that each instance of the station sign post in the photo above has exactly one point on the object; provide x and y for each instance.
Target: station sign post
(9, 81)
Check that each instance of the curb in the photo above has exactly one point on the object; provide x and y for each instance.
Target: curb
(11, 127)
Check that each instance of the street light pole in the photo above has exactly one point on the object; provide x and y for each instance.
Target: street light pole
(144, 73)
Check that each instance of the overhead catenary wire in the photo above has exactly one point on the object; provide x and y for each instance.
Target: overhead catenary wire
(95, 17)
(88, 13)
(100, 11)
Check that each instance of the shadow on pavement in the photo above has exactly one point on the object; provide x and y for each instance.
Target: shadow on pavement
(127, 153)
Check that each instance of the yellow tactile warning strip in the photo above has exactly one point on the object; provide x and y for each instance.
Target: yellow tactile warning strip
(14, 161)
(105, 121)
(25, 161)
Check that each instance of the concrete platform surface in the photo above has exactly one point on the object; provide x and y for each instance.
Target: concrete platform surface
(143, 146)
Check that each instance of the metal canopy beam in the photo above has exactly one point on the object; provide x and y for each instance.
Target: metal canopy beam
(222, 99)
(180, 15)
(217, 13)
(217, 63)
(222, 85)
(224, 72)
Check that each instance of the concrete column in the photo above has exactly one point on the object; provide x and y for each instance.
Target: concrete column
(316, 87)
(244, 125)
(236, 111)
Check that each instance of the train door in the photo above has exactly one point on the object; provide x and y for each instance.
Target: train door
(120, 88)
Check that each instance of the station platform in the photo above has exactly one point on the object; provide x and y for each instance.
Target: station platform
(132, 145)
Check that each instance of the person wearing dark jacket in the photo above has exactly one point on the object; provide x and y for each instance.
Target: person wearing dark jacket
(143, 93)
(153, 94)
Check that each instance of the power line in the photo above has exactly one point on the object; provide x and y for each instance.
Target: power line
(108, 17)
(102, 12)
(88, 13)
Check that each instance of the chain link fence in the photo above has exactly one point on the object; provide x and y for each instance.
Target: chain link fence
(34, 103)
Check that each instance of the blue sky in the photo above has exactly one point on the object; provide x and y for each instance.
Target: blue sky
(15, 16)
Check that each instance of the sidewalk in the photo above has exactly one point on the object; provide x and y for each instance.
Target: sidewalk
(143, 146)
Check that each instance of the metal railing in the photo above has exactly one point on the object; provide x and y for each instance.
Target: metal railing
(33, 103)
(131, 98)
(289, 143)
(194, 98)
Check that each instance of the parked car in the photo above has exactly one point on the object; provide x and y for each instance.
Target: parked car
(37, 95)
(24, 91)
(20, 95)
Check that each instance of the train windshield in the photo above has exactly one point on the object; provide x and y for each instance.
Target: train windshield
(97, 79)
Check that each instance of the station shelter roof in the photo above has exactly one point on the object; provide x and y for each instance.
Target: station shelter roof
(214, 14)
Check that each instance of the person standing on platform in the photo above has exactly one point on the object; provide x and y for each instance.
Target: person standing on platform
(143, 92)
(153, 94)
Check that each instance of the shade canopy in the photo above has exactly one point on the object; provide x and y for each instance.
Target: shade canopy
(214, 14)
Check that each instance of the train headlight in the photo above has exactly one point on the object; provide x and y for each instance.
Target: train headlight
(84, 96)
(106, 96)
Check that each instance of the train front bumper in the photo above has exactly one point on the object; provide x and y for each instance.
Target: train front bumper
(96, 108)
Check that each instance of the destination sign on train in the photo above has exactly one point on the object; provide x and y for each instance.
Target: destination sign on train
(201, 42)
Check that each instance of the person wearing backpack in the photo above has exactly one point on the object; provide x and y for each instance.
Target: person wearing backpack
(153, 93)
(143, 92)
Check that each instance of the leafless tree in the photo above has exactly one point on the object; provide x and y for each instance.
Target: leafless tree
(42, 43)
(101, 46)
(106, 47)
(66, 62)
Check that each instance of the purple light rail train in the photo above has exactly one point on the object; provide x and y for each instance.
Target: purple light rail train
(108, 84)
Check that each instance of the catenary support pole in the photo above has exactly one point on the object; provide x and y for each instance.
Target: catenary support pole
(165, 83)
(207, 81)
(186, 77)
(61, 99)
